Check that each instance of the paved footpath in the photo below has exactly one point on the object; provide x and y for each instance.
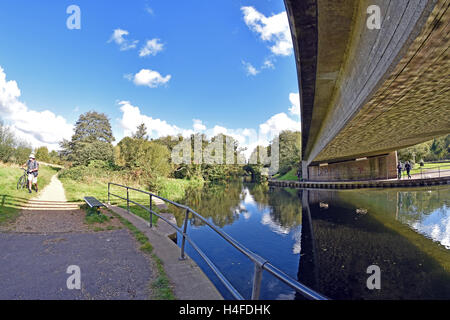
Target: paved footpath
(50, 236)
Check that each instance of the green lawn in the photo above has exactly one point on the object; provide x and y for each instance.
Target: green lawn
(11, 199)
(430, 166)
(291, 176)
(172, 189)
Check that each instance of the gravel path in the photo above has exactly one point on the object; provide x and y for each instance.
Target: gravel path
(50, 235)
(50, 212)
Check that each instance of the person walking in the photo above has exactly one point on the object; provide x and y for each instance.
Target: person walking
(408, 169)
(32, 170)
(399, 170)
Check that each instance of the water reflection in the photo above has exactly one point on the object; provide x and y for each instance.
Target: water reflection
(327, 239)
(428, 213)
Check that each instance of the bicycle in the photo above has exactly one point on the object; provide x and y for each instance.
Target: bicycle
(23, 180)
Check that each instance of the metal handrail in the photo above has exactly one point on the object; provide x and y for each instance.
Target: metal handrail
(438, 169)
(259, 262)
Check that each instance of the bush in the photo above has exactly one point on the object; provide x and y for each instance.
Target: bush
(74, 173)
(100, 164)
(97, 150)
(21, 154)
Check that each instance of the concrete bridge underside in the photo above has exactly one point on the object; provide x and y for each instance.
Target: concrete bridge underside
(366, 93)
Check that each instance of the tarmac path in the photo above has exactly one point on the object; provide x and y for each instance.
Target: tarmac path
(50, 235)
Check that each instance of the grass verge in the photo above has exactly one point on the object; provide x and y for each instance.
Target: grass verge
(289, 176)
(429, 166)
(173, 189)
(11, 199)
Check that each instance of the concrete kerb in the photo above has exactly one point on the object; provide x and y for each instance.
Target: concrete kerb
(189, 281)
(393, 183)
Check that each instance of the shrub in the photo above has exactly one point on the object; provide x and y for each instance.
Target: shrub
(97, 150)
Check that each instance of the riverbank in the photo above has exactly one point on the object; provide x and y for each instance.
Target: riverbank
(393, 183)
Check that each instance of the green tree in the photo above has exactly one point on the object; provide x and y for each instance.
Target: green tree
(289, 150)
(438, 149)
(433, 150)
(22, 152)
(54, 157)
(149, 159)
(7, 143)
(414, 153)
(42, 154)
(96, 150)
(93, 126)
(92, 140)
(141, 132)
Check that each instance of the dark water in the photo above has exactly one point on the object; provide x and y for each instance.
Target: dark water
(328, 239)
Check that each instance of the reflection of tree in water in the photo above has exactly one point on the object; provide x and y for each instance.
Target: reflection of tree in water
(347, 242)
(220, 202)
(259, 192)
(286, 207)
(416, 203)
(223, 203)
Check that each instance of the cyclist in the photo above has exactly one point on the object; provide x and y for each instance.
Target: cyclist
(32, 170)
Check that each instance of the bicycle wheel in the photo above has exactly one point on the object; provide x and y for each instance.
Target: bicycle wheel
(21, 183)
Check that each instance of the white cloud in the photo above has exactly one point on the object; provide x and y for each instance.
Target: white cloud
(118, 37)
(253, 71)
(219, 130)
(294, 98)
(278, 123)
(250, 69)
(274, 29)
(268, 64)
(198, 125)
(149, 78)
(40, 128)
(151, 47)
(132, 117)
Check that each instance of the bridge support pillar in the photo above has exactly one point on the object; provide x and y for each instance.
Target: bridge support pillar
(305, 172)
(370, 168)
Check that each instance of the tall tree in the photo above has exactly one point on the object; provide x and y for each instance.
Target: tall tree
(7, 143)
(93, 126)
(42, 154)
(92, 140)
(141, 132)
(289, 150)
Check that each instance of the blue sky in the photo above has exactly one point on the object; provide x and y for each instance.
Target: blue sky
(210, 66)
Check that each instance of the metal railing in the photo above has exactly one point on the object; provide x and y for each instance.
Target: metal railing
(436, 172)
(260, 263)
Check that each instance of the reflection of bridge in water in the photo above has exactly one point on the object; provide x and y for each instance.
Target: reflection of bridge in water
(344, 232)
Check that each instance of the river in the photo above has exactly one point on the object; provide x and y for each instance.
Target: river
(327, 239)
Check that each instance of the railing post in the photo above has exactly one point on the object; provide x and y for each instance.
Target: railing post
(109, 187)
(257, 277)
(183, 242)
(151, 214)
(128, 200)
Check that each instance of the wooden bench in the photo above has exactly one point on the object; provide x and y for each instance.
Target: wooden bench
(93, 202)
